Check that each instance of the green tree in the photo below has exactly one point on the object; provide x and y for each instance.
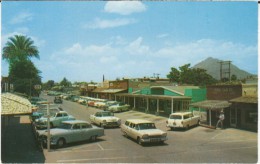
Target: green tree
(193, 76)
(65, 82)
(48, 85)
(22, 73)
(174, 75)
(19, 48)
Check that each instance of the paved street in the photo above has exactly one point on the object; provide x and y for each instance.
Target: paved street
(197, 145)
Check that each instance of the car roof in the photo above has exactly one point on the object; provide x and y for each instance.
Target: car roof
(74, 121)
(138, 121)
(181, 113)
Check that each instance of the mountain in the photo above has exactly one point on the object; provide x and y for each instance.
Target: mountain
(212, 66)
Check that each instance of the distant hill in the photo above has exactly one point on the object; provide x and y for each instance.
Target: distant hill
(213, 68)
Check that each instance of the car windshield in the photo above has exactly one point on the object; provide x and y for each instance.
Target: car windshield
(65, 126)
(144, 126)
(176, 117)
(107, 114)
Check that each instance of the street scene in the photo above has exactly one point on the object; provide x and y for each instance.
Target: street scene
(129, 82)
(195, 145)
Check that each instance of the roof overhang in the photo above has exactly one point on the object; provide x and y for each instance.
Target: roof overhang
(154, 96)
(211, 104)
(247, 100)
(12, 104)
(108, 90)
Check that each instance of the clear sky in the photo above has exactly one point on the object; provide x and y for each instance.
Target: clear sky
(85, 40)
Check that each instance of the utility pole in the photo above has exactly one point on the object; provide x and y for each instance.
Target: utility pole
(48, 127)
(226, 71)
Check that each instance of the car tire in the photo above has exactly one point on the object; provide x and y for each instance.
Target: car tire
(61, 142)
(139, 141)
(172, 128)
(93, 138)
(101, 125)
(125, 134)
(187, 127)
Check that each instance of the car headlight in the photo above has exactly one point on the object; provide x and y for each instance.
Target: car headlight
(145, 136)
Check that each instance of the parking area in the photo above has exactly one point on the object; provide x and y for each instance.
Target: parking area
(196, 145)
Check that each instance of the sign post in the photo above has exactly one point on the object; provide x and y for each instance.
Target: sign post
(48, 127)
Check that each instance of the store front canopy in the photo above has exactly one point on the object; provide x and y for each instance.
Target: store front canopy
(211, 104)
(246, 100)
(155, 96)
(12, 104)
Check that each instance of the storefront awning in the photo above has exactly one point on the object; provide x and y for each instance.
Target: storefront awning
(105, 90)
(211, 104)
(12, 105)
(244, 99)
(166, 97)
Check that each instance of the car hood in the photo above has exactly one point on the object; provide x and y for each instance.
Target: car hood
(152, 132)
(110, 118)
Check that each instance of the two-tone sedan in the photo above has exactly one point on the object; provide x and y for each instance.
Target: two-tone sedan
(143, 131)
(72, 131)
(105, 119)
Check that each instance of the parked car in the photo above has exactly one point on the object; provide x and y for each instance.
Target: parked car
(35, 100)
(72, 131)
(55, 120)
(108, 104)
(43, 112)
(182, 120)
(57, 100)
(105, 119)
(119, 107)
(143, 131)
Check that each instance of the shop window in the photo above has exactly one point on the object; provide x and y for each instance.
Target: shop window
(251, 116)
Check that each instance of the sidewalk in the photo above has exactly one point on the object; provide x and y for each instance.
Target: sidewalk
(18, 143)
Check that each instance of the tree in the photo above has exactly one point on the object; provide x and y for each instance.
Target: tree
(48, 85)
(22, 73)
(174, 75)
(193, 76)
(19, 48)
(233, 78)
(65, 83)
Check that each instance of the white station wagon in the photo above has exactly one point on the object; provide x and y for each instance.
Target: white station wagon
(182, 120)
(143, 131)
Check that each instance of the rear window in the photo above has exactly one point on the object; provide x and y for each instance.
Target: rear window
(176, 117)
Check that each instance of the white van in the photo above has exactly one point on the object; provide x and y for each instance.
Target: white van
(182, 120)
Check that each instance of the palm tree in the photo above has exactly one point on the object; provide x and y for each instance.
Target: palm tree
(19, 48)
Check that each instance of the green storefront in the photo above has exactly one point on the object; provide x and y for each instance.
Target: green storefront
(163, 100)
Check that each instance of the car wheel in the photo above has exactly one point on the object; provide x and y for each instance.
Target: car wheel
(93, 138)
(172, 128)
(198, 122)
(139, 141)
(61, 142)
(101, 125)
(125, 134)
(187, 127)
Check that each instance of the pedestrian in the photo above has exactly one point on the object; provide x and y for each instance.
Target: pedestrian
(220, 119)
